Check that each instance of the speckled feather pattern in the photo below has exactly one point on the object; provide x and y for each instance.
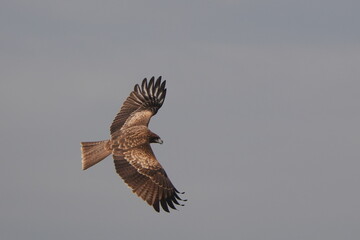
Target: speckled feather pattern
(134, 159)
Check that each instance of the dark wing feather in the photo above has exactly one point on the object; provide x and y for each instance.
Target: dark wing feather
(147, 179)
(148, 99)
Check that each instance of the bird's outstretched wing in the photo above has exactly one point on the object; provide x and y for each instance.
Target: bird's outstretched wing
(141, 171)
(141, 105)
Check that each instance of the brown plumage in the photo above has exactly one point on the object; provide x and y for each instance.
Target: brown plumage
(130, 141)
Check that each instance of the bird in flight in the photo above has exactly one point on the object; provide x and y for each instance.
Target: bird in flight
(129, 144)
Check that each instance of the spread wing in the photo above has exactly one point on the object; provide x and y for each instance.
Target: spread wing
(141, 105)
(141, 171)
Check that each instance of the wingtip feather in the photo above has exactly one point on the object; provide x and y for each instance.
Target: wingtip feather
(164, 205)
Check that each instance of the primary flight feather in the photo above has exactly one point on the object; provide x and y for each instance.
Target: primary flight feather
(129, 144)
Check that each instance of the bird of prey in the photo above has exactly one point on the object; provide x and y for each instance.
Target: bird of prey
(129, 144)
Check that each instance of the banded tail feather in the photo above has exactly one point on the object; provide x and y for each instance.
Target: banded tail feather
(94, 152)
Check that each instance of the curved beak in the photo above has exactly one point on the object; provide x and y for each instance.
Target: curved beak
(159, 141)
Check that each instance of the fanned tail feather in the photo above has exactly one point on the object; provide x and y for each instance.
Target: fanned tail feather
(94, 152)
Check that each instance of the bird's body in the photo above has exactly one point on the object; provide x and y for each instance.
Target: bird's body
(129, 144)
(131, 137)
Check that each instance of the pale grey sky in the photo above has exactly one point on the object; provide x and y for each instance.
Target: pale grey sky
(260, 124)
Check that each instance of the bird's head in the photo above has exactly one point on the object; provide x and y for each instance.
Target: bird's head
(154, 138)
(158, 140)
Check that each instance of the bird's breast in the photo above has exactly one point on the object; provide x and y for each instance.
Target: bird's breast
(130, 138)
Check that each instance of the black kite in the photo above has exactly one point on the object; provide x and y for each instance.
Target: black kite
(130, 141)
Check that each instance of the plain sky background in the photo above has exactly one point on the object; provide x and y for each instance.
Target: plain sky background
(260, 124)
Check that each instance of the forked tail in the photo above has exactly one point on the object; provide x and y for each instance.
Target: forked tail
(94, 152)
